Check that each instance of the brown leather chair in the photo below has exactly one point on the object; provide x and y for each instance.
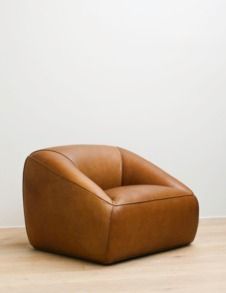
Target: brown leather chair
(104, 204)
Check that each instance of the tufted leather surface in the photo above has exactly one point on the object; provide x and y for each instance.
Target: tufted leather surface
(104, 204)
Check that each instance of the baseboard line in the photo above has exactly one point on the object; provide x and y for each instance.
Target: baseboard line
(11, 227)
(201, 218)
(213, 217)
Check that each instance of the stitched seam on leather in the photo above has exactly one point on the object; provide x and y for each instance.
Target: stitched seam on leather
(121, 165)
(112, 204)
(150, 200)
(63, 155)
(108, 236)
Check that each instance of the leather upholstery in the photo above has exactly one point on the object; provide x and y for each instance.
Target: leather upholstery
(104, 204)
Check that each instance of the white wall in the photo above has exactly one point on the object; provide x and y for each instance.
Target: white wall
(146, 75)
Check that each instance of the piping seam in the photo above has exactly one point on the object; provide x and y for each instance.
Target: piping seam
(121, 165)
(108, 236)
(63, 155)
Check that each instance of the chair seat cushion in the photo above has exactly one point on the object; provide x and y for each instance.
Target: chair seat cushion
(142, 193)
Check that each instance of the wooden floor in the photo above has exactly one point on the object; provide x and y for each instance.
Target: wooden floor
(200, 267)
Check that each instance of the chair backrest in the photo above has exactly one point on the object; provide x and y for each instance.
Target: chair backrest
(102, 164)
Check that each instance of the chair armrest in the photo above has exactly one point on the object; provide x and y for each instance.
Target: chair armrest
(65, 212)
(64, 167)
(137, 170)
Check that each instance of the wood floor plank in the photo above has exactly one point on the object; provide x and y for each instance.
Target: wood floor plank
(200, 267)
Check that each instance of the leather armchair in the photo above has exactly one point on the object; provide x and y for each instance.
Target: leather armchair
(104, 204)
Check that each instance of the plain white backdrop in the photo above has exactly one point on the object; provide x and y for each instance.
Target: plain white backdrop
(149, 76)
